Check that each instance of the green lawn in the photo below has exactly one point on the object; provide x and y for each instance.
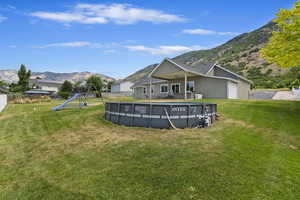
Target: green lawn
(252, 152)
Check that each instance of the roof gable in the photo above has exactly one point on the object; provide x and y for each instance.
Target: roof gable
(233, 74)
(166, 66)
(200, 67)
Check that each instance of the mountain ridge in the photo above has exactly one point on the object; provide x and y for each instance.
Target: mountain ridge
(10, 76)
(240, 55)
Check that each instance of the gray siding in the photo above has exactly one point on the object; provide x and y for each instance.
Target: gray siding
(243, 89)
(139, 93)
(165, 68)
(243, 86)
(211, 88)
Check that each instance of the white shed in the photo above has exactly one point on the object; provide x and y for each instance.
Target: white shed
(3, 99)
(121, 86)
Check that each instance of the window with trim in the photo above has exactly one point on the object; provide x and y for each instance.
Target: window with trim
(190, 86)
(164, 88)
(144, 90)
(176, 88)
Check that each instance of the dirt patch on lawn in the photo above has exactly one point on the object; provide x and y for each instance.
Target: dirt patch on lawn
(91, 137)
(6, 116)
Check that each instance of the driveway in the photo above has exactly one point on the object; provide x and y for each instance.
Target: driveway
(274, 95)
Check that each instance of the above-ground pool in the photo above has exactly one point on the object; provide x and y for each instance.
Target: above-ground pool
(161, 115)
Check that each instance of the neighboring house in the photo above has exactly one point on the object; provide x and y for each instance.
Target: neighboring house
(45, 85)
(121, 86)
(172, 79)
(37, 92)
(3, 98)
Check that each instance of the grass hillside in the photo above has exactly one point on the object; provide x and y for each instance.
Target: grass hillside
(141, 73)
(240, 55)
(252, 152)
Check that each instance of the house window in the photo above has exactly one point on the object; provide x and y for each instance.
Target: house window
(164, 88)
(175, 88)
(190, 86)
(144, 90)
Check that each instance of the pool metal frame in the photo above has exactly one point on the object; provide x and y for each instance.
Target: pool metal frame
(159, 115)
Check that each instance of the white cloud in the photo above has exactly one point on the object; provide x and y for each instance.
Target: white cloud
(69, 17)
(104, 13)
(164, 50)
(2, 18)
(80, 44)
(67, 44)
(207, 32)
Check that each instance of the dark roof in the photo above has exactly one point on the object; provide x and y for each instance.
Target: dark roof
(37, 92)
(3, 90)
(202, 68)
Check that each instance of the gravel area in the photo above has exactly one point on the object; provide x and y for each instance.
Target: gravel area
(275, 95)
(262, 94)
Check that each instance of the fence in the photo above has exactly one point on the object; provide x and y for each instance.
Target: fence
(3, 101)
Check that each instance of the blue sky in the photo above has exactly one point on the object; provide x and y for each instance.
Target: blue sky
(117, 38)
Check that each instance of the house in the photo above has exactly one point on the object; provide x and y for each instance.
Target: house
(172, 79)
(3, 98)
(45, 85)
(38, 92)
(121, 86)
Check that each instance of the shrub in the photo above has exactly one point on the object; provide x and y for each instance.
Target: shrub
(64, 94)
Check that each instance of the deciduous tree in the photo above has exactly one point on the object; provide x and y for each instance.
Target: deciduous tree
(283, 47)
(94, 83)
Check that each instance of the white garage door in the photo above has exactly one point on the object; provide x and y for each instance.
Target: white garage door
(231, 90)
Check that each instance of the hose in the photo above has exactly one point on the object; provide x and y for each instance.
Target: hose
(168, 117)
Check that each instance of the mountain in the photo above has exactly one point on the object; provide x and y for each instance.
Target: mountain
(10, 76)
(240, 55)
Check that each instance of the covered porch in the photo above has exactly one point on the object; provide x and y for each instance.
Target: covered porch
(180, 82)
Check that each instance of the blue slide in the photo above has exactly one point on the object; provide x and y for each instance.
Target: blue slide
(63, 105)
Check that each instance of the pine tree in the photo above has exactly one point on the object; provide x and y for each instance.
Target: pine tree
(66, 89)
(24, 76)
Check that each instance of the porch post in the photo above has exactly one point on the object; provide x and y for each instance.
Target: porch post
(150, 90)
(185, 80)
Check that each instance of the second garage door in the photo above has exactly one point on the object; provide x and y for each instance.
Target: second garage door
(231, 90)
